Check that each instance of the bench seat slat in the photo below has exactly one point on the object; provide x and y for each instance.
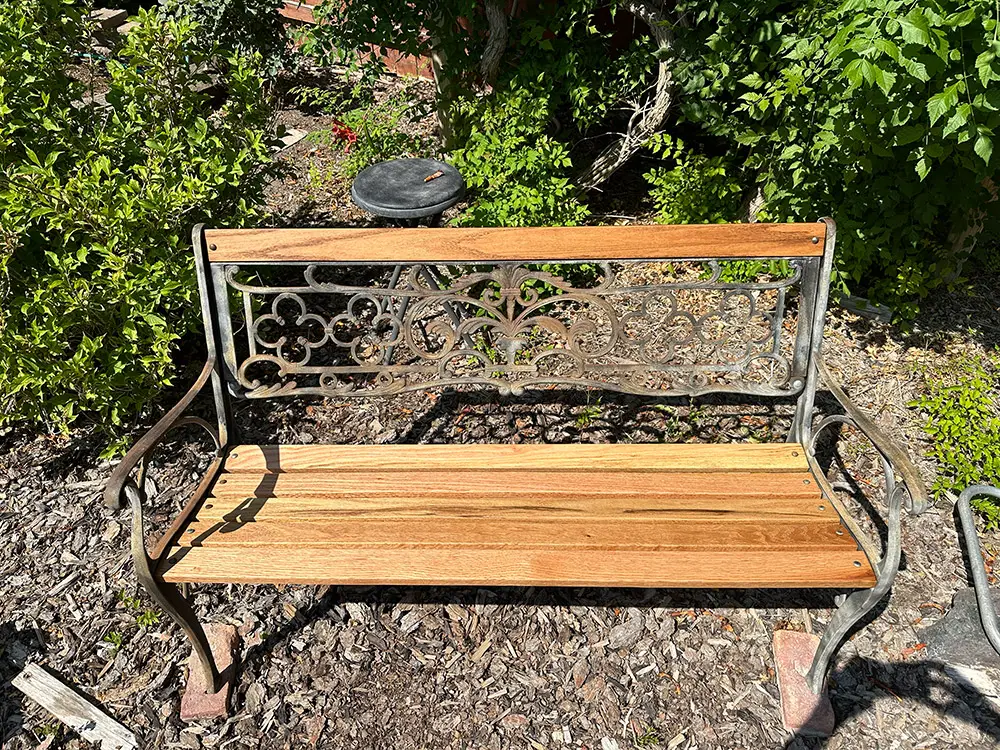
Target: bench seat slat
(609, 515)
(756, 457)
(487, 487)
(325, 564)
(492, 244)
(592, 532)
(421, 494)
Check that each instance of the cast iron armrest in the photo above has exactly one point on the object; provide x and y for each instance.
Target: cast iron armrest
(123, 488)
(121, 479)
(892, 454)
(910, 492)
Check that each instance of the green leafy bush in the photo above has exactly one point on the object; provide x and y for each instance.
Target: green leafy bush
(879, 113)
(518, 174)
(246, 27)
(697, 189)
(559, 80)
(380, 133)
(96, 205)
(963, 422)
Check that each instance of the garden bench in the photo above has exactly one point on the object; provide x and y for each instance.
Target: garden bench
(646, 310)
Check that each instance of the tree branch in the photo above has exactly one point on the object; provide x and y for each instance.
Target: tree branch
(651, 114)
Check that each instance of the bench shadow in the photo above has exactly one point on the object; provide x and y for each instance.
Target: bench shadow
(429, 427)
(920, 682)
(855, 687)
(682, 600)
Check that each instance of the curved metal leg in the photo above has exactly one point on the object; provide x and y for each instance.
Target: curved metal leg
(860, 603)
(167, 595)
(987, 614)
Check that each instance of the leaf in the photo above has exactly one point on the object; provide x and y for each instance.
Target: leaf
(909, 134)
(984, 66)
(923, 167)
(916, 69)
(984, 147)
(884, 79)
(939, 104)
(962, 18)
(852, 72)
(915, 28)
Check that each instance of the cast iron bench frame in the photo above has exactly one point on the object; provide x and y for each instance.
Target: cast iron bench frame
(808, 247)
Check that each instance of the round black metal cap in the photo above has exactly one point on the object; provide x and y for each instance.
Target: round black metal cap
(399, 189)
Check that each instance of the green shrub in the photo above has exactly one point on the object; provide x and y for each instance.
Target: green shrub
(963, 421)
(96, 206)
(517, 173)
(380, 134)
(697, 189)
(245, 27)
(881, 114)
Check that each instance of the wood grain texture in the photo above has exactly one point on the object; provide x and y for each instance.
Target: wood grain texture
(74, 709)
(324, 564)
(760, 457)
(478, 245)
(616, 515)
(595, 533)
(419, 494)
(487, 486)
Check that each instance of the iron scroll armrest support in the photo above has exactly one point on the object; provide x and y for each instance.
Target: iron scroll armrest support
(910, 492)
(123, 488)
(137, 455)
(987, 612)
(918, 497)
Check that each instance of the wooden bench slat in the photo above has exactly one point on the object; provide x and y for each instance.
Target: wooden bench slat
(700, 457)
(478, 245)
(525, 486)
(592, 532)
(321, 564)
(494, 502)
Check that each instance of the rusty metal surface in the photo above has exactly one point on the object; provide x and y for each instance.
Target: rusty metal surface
(511, 327)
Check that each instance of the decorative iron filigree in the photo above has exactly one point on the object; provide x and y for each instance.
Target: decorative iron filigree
(511, 327)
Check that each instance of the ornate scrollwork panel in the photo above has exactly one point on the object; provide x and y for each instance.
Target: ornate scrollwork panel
(644, 328)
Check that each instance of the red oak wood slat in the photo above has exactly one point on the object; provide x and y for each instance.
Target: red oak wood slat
(588, 533)
(759, 457)
(471, 485)
(323, 564)
(493, 244)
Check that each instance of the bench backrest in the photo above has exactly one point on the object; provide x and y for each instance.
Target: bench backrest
(649, 310)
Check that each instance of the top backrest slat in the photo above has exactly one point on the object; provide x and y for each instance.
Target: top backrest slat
(484, 245)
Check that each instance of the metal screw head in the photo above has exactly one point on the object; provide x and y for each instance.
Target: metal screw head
(815, 241)
(822, 507)
(857, 563)
(840, 532)
(216, 247)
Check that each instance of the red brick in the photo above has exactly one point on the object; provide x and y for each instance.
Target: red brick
(802, 711)
(198, 703)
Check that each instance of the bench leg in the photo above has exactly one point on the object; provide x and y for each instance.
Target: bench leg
(169, 597)
(854, 608)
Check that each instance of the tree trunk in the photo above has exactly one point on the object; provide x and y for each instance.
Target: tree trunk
(649, 114)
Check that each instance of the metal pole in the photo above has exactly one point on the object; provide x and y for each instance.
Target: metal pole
(987, 613)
